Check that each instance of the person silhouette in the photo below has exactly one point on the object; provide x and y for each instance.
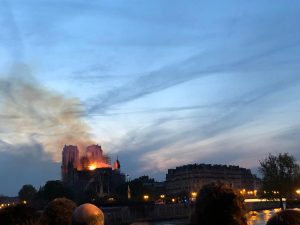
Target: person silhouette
(285, 217)
(87, 214)
(218, 204)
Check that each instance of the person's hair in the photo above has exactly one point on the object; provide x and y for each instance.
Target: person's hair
(285, 217)
(18, 215)
(218, 204)
(59, 211)
(87, 214)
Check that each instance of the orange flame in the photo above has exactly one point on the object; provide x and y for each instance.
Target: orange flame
(96, 165)
(92, 167)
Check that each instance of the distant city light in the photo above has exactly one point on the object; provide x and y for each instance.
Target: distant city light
(298, 192)
(162, 196)
(146, 197)
(194, 194)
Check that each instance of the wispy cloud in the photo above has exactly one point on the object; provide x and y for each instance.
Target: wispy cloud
(208, 140)
(204, 64)
(10, 34)
(30, 112)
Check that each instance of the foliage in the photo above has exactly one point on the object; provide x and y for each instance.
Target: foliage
(59, 211)
(54, 189)
(18, 214)
(280, 176)
(139, 189)
(27, 192)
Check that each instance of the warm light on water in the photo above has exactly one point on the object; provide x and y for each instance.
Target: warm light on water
(255, 218)
(262, 200)
(261, 217)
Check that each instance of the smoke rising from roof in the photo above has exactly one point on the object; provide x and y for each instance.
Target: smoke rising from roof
(30, 113)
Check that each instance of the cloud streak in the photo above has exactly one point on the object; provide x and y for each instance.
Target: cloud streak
(208, 141)
(193, 68)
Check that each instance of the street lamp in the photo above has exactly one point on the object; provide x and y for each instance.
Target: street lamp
(298, 191)
(146, 197)
(194, 194)
(255, 192)
(162, 196)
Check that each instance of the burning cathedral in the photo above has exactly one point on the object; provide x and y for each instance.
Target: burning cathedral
(91, 171)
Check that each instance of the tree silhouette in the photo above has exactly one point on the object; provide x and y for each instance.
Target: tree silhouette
(55, 189)
(280, 176)
(27, 193)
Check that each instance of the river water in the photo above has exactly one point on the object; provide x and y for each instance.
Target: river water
(256, 218)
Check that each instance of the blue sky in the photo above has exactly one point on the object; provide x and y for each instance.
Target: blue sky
(158, 83)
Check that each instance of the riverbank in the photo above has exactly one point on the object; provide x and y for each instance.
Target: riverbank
(146, 213)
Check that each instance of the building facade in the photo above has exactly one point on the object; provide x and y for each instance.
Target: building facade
(91, 172)
(70, 161)
(191, 178)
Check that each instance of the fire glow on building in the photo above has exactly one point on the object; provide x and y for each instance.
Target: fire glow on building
(90, 171)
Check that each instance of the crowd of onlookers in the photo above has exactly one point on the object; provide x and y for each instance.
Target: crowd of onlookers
(60, 211)
(215, 205)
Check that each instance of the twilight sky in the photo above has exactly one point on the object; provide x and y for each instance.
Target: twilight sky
(157, 83)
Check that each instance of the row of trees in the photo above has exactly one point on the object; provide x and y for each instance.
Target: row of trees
(51, 190)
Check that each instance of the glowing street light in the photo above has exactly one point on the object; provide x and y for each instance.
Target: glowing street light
(162, 196)
(298, 191)
(242, 192)
(146, 197)
(194, 194)
(255, 192)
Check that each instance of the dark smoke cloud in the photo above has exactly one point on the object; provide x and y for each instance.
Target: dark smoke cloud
(30, 113)
(25, 164)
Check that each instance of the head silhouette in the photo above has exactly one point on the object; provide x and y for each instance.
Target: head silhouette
(285, 217)
(59, 211)
(218, 204)
(88, 214)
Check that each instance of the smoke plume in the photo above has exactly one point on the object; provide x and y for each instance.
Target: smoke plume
(30, 113)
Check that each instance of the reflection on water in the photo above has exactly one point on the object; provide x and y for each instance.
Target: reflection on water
(255, 218)
(261, 217)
